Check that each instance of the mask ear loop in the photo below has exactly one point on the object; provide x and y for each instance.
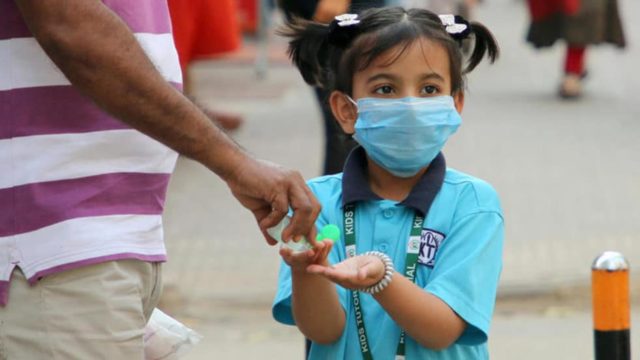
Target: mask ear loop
(351, 136)
(353, 102)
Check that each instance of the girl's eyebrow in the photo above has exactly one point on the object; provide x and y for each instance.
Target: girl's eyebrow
(391, 77)
(431, 76)
(382, 76)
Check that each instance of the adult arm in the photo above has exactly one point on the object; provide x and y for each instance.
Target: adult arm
(100, 56)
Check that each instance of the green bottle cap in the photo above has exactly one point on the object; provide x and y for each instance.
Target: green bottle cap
(329, 232)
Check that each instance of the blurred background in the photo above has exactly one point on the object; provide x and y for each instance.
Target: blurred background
(567, 171)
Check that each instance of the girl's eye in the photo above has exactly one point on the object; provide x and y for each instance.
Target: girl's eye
(384, 90)
(430, 89)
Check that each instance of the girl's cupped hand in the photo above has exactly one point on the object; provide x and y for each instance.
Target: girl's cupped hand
(354, 273)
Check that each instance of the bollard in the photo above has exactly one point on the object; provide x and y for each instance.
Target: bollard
(611, 314)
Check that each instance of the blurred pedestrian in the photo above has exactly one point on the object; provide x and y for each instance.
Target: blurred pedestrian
(580, 24)
(396, 79)
(337, 144)
(204, 29)
(90, 126)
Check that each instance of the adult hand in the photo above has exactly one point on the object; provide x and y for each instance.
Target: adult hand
(268, 191)
(355, 273)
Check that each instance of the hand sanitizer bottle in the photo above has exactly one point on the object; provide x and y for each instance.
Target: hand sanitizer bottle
(327, 232)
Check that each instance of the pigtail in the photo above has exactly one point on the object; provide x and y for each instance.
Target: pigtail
(308, 48)
(484, 43)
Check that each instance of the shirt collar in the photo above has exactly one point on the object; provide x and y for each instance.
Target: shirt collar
(355, 186)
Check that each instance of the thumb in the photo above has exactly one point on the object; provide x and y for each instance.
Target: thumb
(363, 274)
(279, 209)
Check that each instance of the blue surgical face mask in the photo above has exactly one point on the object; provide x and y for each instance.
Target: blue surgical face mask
(405, 135)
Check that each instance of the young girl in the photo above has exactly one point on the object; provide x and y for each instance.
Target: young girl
(416, 269)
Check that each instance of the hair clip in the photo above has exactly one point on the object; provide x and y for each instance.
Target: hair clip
(347, 19)
(343, 29)
(456, 26)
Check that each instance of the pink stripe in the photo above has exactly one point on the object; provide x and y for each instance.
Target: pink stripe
(52, 110)
(78, 264)
(59, 110)
(142, 16)
(33, 206)
(11, 23)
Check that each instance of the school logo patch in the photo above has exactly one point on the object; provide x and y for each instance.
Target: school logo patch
(430, 241)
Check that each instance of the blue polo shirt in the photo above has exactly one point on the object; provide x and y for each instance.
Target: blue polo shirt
(460, 255)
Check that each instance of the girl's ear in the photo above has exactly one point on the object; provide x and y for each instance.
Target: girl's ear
(458, 100)
(344, 111)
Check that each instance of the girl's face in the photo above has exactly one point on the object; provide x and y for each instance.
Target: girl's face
(421, 71)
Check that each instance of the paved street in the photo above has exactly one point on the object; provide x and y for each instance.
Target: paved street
(568, 174)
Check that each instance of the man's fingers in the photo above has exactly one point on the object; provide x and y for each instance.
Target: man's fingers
(270, 240)
(315, 208)
(279, 209)
(260, 214)
(305, 210)
(277, 191)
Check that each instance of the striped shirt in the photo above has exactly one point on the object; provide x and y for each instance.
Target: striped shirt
(77, 186)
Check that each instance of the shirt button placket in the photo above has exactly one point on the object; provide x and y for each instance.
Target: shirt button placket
(387, 214)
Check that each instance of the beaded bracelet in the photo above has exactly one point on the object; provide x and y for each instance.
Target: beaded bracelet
(388, 273)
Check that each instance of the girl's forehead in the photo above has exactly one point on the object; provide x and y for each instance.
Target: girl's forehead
(414, 55)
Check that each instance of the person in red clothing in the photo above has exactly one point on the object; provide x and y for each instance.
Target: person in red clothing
(205, 29)
(579, 23)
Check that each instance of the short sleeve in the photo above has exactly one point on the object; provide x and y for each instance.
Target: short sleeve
(467, 269)
(282, 303)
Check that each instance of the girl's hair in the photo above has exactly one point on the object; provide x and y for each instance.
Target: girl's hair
(329, 55)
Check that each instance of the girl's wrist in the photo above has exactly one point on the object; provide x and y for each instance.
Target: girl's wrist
(299, 270)
(386, 277)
